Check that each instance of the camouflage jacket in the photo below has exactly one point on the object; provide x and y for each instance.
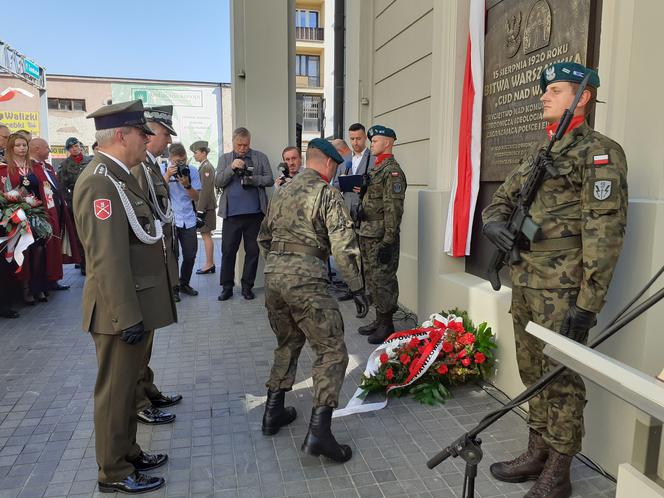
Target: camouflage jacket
(382, 205)
(589, 200)
(308, 212)
(68, 174)
(206, 199)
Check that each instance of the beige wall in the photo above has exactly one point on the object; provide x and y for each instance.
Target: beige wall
(408, 66)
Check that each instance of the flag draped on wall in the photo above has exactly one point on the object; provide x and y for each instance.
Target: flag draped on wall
(467, 178)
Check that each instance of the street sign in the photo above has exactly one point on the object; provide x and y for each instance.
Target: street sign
(30, 68)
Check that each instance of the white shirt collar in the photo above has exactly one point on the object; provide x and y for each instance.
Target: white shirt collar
(361, 153)
(124, 166)
(152, 158)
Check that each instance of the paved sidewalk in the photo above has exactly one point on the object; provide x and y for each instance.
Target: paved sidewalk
(218, 356)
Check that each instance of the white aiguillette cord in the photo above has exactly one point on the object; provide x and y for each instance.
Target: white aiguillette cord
(166, 217)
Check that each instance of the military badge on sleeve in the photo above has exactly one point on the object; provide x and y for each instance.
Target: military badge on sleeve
(396, 187)
(602, 189)
(102, 208)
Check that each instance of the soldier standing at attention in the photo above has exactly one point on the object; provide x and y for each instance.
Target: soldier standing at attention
(379, 219)
(562, 280)
(126, 292)
(149, 399)
(207, 203)
(304, 224)
(67, 175)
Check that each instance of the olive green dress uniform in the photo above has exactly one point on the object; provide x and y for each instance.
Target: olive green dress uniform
(306, 222)
(207, 201)
(382, 210)
(146, 389)
(583, 215)
(126, 283)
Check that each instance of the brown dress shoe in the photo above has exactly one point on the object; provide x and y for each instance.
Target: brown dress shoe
(525, 467)
(554, 481)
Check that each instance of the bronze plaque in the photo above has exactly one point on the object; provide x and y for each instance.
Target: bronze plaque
(522, 38)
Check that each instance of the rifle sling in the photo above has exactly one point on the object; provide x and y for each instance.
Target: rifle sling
(558, 244)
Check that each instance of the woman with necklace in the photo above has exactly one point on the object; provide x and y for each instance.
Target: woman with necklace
(17, 173)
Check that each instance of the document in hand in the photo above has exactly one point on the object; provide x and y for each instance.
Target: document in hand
(347, 182)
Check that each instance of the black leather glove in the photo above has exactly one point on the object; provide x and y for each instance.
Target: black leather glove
(361, 303)
(385, 254)
(577, 323)
(134, 334)
(499, 235)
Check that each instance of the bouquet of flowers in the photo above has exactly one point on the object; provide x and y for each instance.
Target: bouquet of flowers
(22, 220)
(447, 349)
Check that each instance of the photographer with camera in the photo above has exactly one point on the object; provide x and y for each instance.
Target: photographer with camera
(184, 185)
(243, 175)
(291, 165)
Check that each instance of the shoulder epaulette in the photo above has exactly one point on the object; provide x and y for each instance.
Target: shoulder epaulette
(101, 169)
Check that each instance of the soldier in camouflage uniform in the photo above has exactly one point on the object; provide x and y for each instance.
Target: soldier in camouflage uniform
(379, 218)
(67, 174)
(563, 279)
(149, 399)
(306, 222)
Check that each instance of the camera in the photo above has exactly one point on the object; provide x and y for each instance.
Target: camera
(246, 172)
(285, 173)
(183, 169)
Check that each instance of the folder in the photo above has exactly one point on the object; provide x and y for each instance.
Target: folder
(347, 182)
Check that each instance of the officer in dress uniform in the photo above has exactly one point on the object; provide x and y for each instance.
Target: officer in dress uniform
(149, 399)
(562, 280)
(126, 292)
(306, 222)
(379, 218)
(207, 203)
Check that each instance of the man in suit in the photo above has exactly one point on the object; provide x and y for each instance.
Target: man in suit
(243, 174)
(149, 399)
(360, 163)
(126, 291)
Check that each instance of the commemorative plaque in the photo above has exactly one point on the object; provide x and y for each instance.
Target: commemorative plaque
(522, 38)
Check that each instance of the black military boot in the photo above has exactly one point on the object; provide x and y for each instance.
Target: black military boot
(369, 329)
(527, 466)
(384, 330)
(276, 416)
(319, 439)
(554, 480)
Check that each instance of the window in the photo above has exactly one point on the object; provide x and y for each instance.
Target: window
(306, 18)
(66, 104)
(308, 65)
(309, 112)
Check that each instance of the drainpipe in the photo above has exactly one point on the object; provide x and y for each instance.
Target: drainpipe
(339, 69)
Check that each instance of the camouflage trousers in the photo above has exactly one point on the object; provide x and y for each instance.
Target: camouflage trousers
(380, 279)
(557, 412)
(300, 308)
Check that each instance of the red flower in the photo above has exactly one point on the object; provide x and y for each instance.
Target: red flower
(448, 347)
(462, 353)
(389, 374)
(384, 358)
(456, 326)
(465, 362)
(435, 335)
(467, 339)
(413, 343)
(404, 358)
(480, 357)
(420, 349)
(442, 369)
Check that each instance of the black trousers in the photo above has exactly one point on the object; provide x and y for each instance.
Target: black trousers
(189, 242)
(240, 227)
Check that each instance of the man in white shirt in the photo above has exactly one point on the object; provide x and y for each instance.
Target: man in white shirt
(360, 163)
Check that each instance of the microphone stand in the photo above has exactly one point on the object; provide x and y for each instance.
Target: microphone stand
(468, 446)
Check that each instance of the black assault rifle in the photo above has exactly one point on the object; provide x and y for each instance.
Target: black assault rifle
(520, 223)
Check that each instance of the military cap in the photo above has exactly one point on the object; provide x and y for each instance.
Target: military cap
(567, 71)
(162, 114)
(121, 114)
(199, 145)
(326, 148)
(381, 130)
(71, 141)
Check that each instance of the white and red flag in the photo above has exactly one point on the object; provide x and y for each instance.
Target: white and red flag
(466, 182)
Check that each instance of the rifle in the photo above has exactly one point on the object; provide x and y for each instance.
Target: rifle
(363, 192)
(520, 221)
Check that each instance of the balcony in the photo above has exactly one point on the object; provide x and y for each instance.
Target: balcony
(307, 81)
(309, 34)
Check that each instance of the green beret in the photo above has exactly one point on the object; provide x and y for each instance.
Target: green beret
(381, 130)
(567, 71)
(199, 145)
(326, 148)
(122, 114)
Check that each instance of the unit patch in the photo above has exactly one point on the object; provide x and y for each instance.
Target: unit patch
(602, 189)
(396, 187)
(102, 208)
